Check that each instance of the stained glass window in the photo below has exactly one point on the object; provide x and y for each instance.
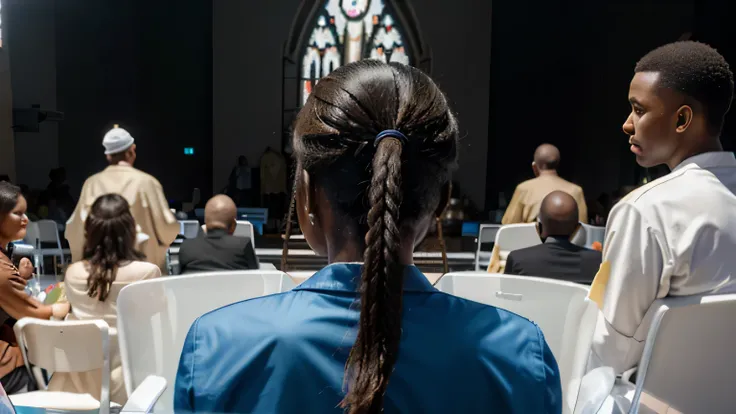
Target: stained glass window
(347, 31)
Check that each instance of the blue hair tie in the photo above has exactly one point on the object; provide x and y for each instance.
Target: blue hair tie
(391, 133)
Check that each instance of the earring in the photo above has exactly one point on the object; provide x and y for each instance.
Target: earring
(311, 218)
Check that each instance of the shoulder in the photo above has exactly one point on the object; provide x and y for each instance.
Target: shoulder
(140, 270)
(526, 185)
(591, 254)
(667, 188)
(146, 178)
(76, 270)
(528, 252)
(514, 343)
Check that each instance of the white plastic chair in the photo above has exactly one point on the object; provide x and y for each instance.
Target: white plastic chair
(245, 229)
(687, 365)
(189, 228)
(486, 234)
(512, 237)
(74, 346)
(587, 235)
(44, 231)
(154, 317)
(561, 309)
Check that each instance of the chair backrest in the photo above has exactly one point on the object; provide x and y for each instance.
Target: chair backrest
(33, 235)
(245, 229)
(189, 228)
(154, 317)
(515, 236)
(688, 364)
(561, 309)
(486, 234)
(587, 235)
(67, 346)
(48, 232)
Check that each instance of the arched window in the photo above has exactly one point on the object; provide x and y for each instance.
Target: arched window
(327, 34)
(349, 30)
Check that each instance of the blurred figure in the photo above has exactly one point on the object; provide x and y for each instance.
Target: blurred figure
(675, 236)
(142, 191)
(218, 249)
(524, 205)
(109, 263)
(557, 258)
(240, 182)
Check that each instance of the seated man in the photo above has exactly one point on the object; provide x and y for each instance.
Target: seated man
(557, 257)
(218, 249)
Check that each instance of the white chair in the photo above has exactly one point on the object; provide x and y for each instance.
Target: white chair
(245, 229)
(587, 235)
(154, 317)
(486, 234)
(74, 346)
(561, 309)
(509, 238)
(189, 228)
(44, 231)
(687, 365)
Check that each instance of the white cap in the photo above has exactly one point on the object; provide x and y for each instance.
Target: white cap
(117, 140)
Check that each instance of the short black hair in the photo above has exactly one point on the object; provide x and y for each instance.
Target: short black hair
(9, 195)
(696, 70)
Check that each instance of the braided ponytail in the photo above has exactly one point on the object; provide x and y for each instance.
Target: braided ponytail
(376, 349)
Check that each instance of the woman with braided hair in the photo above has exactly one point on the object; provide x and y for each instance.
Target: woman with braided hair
(374, 145)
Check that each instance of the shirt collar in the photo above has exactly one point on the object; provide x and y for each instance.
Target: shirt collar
(557, 240)
(217, 233)
(344, 277)
(710, 160)
(7, 252)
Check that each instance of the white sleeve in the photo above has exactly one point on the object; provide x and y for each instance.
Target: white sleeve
(630, 274)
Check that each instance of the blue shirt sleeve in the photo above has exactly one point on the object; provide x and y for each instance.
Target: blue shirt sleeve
(184, 388)
(553, 384)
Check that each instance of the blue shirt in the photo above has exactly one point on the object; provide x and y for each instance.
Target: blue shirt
(286, 353)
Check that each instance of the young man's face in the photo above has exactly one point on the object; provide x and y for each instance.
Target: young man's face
(652, 124)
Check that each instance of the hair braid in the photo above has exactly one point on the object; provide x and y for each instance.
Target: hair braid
(374, 355)
(289, 219)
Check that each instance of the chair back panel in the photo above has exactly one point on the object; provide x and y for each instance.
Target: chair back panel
(688, 364)
(486, 234)
(64, 346)
(48, 232)
(33, 234)
(154, 317)
(560, 309)
(517, 236)
(189, 228)
(245, 229)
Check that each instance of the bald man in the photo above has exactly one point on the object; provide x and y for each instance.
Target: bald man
(524, 205)
(218, 249)
(556, 258)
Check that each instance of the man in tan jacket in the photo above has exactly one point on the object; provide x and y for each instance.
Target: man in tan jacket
(528, 196)
(156, 224)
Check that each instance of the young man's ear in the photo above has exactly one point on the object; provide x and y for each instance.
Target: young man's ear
(684, 118)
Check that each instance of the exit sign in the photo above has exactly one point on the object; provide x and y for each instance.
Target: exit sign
(188, 151)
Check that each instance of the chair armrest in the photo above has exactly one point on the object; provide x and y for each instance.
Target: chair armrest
(145, 396)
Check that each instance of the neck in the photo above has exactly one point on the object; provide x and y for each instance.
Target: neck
(547, 172)
(341, 251)
(707, 145)
(4, 244)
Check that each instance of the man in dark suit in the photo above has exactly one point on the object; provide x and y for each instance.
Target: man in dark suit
(557, 257)
(218, 249)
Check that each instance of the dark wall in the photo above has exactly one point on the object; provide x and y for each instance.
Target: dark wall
(561, 72)
(147, 66)
(248, 45)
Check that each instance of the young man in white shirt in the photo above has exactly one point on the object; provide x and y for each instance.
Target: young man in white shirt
(675, 236)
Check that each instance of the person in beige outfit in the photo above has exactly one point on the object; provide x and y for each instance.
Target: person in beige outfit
(527, 199)
(528, 196)
(110, 262)
(143, 192)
